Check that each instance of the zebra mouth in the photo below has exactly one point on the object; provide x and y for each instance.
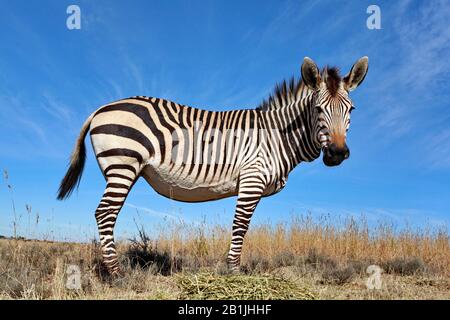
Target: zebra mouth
(333, 156)
(330, 161)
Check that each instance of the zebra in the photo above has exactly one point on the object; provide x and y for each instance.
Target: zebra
(194, 155)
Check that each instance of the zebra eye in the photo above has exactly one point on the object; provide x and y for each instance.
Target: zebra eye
(352, 108)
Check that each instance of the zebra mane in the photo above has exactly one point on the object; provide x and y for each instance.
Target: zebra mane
(287, 92)
(283, 94)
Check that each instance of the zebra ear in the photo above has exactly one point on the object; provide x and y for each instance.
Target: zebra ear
(310, 73)
(357, 74)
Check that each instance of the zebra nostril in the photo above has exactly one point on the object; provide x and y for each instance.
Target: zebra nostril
(347, 154)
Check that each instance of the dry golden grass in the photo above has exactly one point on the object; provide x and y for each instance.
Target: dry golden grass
(348, 241)
(324, 259)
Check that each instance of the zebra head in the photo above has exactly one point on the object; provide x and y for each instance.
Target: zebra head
(332, 106)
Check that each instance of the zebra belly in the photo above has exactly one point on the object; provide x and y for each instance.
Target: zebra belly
(186, 189)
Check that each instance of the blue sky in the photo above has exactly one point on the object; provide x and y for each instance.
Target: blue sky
(222, 55)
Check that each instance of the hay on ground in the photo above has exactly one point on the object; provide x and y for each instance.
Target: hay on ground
(235, 287)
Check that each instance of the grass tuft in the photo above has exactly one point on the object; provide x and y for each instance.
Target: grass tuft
(404, 266)
(318, 260)
(338, 276)
(209, 286)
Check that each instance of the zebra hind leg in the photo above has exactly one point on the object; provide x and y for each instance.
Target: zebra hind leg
(120, 179)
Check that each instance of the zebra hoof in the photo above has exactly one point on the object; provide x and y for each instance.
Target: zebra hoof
(234, 269)
(116, 274)
(117, 279)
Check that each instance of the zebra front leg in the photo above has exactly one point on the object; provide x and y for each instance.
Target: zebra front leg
(250, 191)
(117, 188)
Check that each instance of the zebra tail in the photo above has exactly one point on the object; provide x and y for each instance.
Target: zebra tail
(73, 175)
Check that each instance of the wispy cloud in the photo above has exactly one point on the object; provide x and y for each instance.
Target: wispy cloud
(135, 74)
(57, 109)
(14, 116)
(279, 28)
(25, 128)
(118, 92)
(437, 149)
(425, 37)
(420, 67)
(158, 214)
(393, 118)
(400, 216)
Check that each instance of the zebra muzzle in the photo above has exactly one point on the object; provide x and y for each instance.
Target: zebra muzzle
(334, 155)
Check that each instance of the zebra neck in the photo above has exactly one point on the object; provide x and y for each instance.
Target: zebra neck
(298, 131)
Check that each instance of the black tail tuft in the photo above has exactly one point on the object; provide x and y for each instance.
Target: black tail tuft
(73, 176)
